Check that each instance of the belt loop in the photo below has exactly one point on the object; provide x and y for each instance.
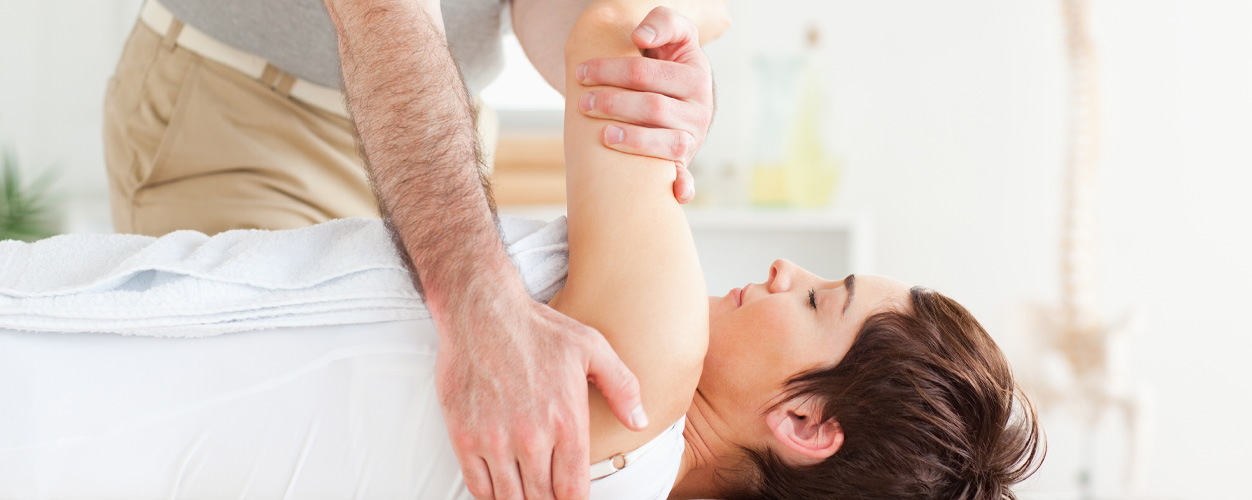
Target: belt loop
(278, 80)
(270, 76)
(285, 82)
(171, 36)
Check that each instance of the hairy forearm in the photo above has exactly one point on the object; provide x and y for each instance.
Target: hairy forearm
(416, 127)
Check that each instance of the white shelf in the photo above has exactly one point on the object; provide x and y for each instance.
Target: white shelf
(739, 218)
(737, 245)
(744, 218)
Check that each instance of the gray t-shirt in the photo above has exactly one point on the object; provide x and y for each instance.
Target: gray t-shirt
(298, 36)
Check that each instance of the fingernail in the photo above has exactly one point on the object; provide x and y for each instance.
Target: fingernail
(638, 418)
(587, 102)
(646, 33)
(581, 74)
(613, 134)
(689, 192)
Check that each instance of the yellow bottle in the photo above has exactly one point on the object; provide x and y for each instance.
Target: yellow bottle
(770, 173)
(812, 172)
(769, 184)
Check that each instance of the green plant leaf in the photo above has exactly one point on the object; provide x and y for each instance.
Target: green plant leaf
(25, 212)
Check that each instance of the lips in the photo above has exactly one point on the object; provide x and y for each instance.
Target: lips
(738, 297)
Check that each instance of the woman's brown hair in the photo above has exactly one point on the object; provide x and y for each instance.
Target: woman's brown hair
(926, 402)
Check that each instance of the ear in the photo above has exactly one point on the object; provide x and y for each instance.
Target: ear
(798, 426)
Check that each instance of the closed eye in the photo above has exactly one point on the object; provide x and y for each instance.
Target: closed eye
(813, 299)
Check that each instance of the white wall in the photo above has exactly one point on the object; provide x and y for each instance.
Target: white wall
(949, 116)
(55, 60)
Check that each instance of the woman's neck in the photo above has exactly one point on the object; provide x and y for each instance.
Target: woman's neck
(706, 436)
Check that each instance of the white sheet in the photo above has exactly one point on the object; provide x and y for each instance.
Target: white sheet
(252, 364)
(320, 412)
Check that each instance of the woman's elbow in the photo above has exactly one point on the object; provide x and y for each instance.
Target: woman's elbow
(602, 30)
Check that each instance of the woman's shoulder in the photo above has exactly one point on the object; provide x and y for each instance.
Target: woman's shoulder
(667, 381)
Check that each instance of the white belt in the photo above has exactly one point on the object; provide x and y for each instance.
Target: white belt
(162, 21)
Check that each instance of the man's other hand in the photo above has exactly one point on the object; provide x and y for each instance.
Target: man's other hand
(664, 100)
(512, 381)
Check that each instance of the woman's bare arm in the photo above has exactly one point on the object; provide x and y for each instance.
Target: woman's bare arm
(634, 274)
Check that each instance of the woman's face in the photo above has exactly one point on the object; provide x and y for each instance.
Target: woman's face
(764, 334)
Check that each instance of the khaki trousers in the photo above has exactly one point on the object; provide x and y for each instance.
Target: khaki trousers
(193, 144)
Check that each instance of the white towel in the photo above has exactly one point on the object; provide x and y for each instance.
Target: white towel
(187, 284)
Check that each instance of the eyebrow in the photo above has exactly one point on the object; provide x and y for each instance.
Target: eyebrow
(850, 284)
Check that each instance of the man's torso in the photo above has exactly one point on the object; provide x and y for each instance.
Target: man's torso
(298, 36)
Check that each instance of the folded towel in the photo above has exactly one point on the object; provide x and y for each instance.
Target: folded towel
(187, 284)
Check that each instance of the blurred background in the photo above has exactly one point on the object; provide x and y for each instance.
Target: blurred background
(941, 143)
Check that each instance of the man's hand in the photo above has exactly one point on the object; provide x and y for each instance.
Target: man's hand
(665, 100)
(512, 383)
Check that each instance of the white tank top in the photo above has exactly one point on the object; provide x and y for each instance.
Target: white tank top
(650, 475)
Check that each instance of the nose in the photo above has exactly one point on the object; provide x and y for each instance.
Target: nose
(781, 274)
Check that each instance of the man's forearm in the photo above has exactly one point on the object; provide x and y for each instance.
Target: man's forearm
(416, 127)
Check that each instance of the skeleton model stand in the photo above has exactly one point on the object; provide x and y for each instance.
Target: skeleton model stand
(1083, 368)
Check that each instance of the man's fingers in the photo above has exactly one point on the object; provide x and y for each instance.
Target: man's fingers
(680, 81)
(664, 26)
(672, 107)
(477, 478)
(674, 145)
(618, 385)
(506, 480)
(571, 459)
(536, 467)
(684, 185)
(646, 109)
